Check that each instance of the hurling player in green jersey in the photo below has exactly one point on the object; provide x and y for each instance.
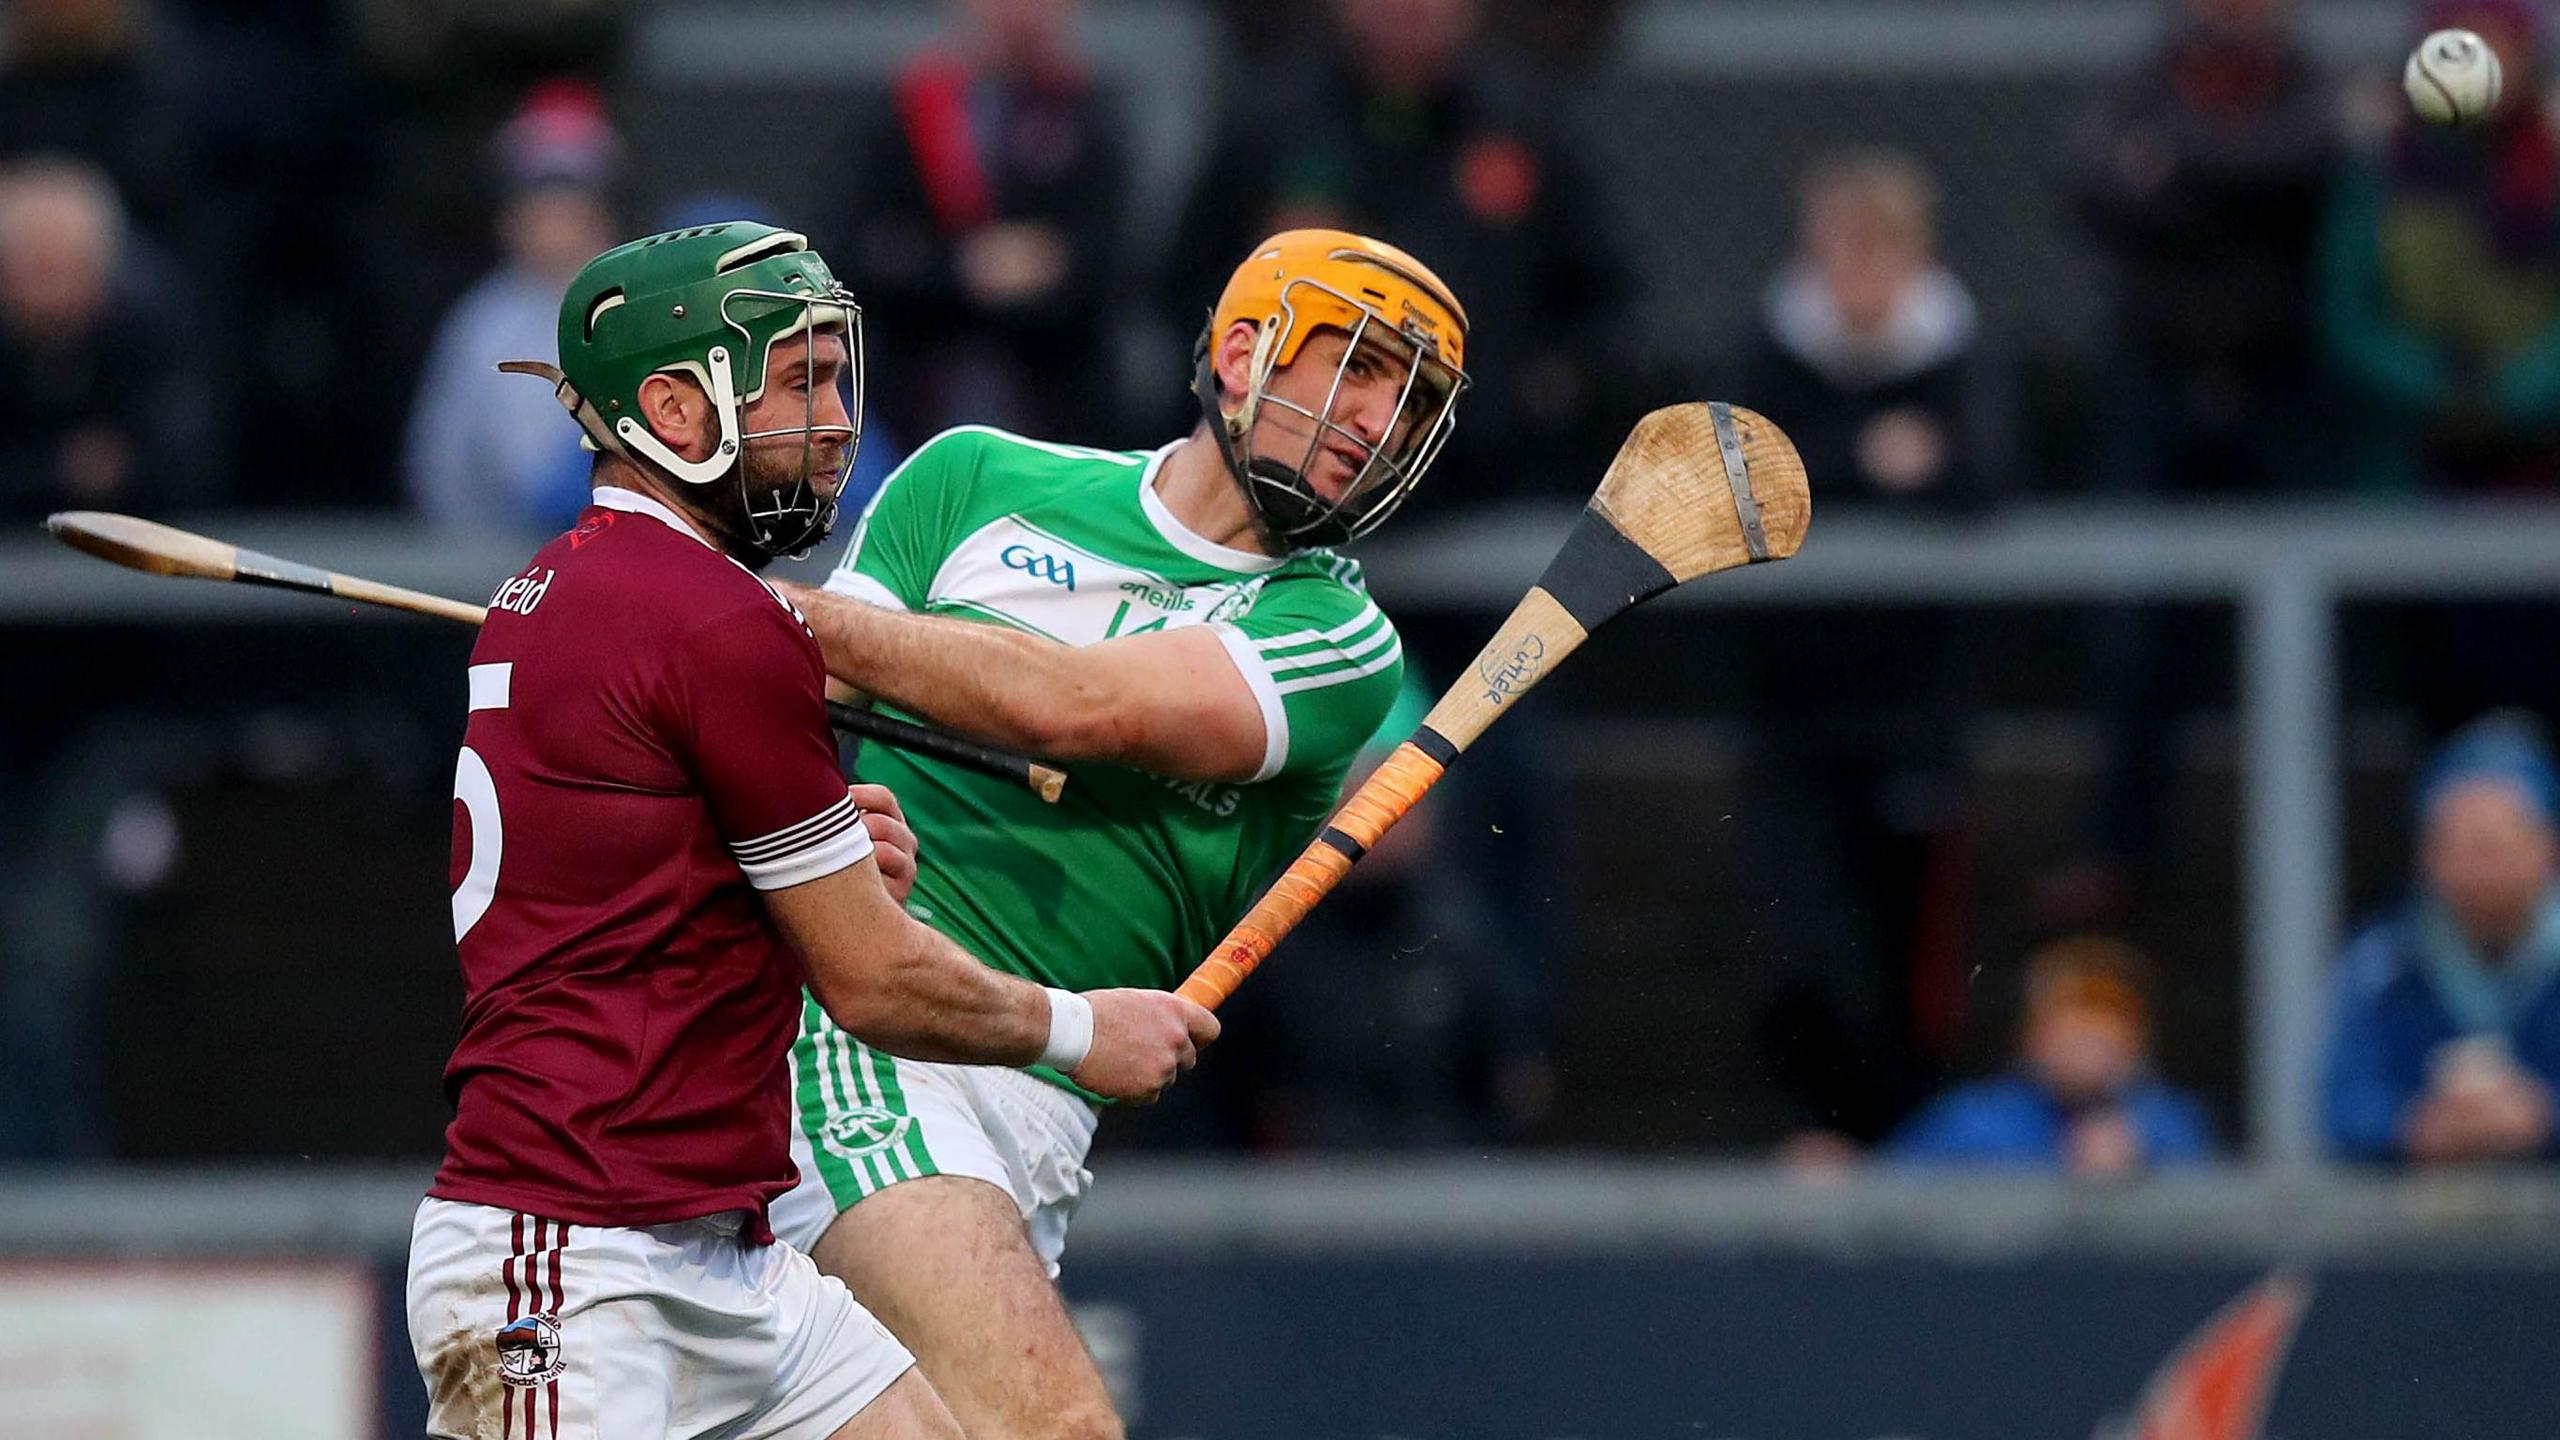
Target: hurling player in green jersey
(1175, 626)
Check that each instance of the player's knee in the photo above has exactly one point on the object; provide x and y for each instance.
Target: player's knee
(1090, 1421)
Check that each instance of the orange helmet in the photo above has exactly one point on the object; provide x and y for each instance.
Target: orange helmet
(1386, 302)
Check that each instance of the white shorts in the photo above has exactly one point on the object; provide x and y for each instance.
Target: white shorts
(868, 1121)
(530, 1329)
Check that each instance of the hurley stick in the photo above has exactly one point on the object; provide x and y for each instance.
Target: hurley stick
(157, 549)
(1695, 489)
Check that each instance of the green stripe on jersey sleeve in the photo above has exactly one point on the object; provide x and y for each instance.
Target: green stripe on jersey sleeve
(1356, 633)
(1365, 649)
(1329, 657)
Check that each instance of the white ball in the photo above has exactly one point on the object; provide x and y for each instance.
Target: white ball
(2453, 78)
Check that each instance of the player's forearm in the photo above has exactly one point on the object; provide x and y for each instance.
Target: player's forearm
(895, 984)
(1001, 685)
(928, 999)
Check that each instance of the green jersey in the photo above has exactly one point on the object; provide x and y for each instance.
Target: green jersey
(1130, 877)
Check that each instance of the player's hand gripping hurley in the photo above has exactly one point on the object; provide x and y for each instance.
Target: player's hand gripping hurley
(1696, 489)
(158, 549)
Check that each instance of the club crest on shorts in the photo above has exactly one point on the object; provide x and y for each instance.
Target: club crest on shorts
(864, 1129)
(529, 1351)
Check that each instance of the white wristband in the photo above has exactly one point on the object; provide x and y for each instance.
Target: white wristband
(1070, 1031)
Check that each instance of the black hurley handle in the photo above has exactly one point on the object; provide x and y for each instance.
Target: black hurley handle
(1043, 780)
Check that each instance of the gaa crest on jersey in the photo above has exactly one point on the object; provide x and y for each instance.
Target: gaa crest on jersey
(529, 1351)
(863, 1130)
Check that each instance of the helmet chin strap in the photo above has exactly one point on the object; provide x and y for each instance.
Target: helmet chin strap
(1252, 473)
(1258, 368)
(1284, 507)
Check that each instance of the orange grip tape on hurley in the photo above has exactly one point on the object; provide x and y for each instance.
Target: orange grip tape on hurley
(1380, 801)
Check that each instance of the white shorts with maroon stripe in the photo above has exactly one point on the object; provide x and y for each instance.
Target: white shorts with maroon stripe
(530, 1329)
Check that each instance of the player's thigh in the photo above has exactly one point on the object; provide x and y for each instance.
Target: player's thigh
(530, 1328)
(518, 1331)
(908, 1410)
(946, 1264)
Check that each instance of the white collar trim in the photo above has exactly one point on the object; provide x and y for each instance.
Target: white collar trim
(614, 497)
(1187, 540)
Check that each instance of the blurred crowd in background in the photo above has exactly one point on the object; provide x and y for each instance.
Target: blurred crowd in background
(264, 253)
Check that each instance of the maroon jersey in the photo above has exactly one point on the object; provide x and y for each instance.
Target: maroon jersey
(647, 748)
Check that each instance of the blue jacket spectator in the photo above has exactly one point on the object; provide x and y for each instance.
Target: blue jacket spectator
(485, 449)
(2080, 1099)
(2445, 1048)
(2015, 1120)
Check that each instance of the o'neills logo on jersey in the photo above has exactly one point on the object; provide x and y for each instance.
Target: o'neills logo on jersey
(529, 1351)
(1052, 586)
(1160, 596)
(522, 593)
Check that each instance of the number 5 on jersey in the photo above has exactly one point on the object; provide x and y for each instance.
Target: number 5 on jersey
(478, 796)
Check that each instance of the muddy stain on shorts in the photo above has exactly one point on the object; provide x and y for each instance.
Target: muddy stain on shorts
(461, 1372)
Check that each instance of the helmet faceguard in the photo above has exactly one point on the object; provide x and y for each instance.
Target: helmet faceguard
(788, 520)
(711, 303)
(1390, 310)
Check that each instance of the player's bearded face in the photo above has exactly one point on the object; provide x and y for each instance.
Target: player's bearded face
(801, 425)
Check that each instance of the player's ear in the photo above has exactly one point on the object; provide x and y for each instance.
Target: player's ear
(1235, 357)
(678, 412)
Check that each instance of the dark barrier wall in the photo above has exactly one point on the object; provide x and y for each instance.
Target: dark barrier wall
(1492, 1346)
(1508, 1299)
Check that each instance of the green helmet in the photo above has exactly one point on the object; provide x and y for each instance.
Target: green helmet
(710, 302)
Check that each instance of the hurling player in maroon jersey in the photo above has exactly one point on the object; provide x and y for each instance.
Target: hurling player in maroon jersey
(654, 851)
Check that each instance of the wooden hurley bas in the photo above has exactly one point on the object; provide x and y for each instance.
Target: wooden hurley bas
(158, 549)
(1696, 489)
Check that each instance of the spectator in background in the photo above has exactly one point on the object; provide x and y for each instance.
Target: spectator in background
(2442, 279)
(1545, 33)
(1870, 354)
(80, 78)
(2080, 1098)
(986, 239)
(2203, 176)
(1873, 351)
(1406, 130)
(2446, 1044)
(103, 403)
(485, 449)
(2442, 269)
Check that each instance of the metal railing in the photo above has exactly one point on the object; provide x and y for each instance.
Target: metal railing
(2285, 569)
(1405, 1207)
